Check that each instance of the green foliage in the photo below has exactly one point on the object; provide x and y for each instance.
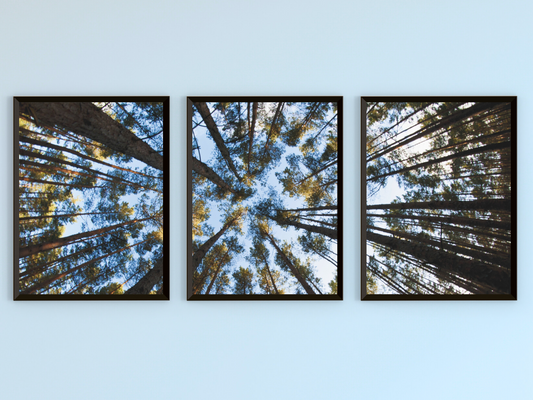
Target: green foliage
(448, 156)
(243, 281)
(248, 142)
(71, 184)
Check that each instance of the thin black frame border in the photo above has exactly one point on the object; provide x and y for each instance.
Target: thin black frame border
(166, 164)
(265, 297)
(418, 297)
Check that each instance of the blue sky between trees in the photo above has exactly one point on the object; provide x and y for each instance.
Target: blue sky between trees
(267, 187)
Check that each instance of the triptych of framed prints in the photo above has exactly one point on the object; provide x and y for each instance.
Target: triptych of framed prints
(265, 198)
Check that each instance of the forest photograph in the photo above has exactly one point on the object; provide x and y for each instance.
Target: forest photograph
(265, 198)
(438, 198)
(90, 176)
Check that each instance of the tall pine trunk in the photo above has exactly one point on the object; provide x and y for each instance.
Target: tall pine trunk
(291, 266)
(203, 169)
(148, 281)
(202, 251)
(486, 204)
(37, 248)
(332, 233)
(47, 282)
(217, 137)
(472, 270)
(85, 119)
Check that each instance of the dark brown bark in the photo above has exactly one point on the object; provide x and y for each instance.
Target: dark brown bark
(37, 248)
(85, 119)
(487, 233)
(387, 280)
(94, 174)
(252, 131)
(472, 270)
(327, 258)
(269, 273)
(315, 286)
(478, 150)
(311, 209)
(398, 122)
(199, 283)
(319, 222)
(58, 161)
(43, 267)
(274, 120)
(65, 215)
(219, 266)
(332, 233)
(204, 170)
(476, 139)
(290, 265)
(476, 252)
(81, 155)
(44, 182)
(485, 223)
(204, 248)
(418, 283)
(47, 282)
(148, 281)
(217, 137)
(489, 204)
(314, 173)
(440, 124)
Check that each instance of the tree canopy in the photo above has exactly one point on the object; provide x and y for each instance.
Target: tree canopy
(90, 204)
(264, 197)
(439, 197)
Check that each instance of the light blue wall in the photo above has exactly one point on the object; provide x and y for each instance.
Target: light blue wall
(266, 350)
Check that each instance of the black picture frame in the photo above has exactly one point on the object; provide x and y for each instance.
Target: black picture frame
(47, 122)
(338, 100)
(482, 277)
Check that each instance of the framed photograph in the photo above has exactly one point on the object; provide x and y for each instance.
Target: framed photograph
(90, 180)
(438, 188)
(265, 198)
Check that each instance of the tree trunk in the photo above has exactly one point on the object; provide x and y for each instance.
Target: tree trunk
(66, 215)
(291, 266)
(215, 134)
(476, 254)
(94, 174)
(274, 120)
(318, 222)
(202, 251)
(478, 150)
(83, 156)
(252, 131)
(32, 270)
(219, 266)
(440, 124)
(204, 170)
(148, 281)
(398, 122)
(311, 209)
(472, 270)
(199, 283)
(332, 233)
(490, 204)
(58, 161)
(37, 248)
(317, 171)
(85, 119)
(485, 223)
(48, 281)
(72, 185)
(270, 274)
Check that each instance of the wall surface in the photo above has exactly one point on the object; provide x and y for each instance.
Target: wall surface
(266, 350)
